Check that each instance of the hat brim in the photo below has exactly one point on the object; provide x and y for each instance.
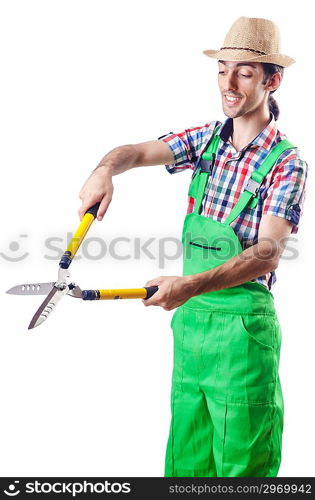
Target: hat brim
(244, 55)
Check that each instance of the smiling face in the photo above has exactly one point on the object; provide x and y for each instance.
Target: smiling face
(243, 87)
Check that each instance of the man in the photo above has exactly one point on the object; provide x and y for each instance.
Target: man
(245, 199)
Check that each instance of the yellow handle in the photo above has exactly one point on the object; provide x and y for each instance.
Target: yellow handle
(123, 293)
(79, 235)
(120, 293)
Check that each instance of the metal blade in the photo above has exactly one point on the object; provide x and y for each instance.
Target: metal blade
(47, 306)
(31, 289)
(75, 291)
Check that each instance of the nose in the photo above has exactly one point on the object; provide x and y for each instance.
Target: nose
(231, 81)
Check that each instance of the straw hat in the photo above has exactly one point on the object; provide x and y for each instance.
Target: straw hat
(252, 39)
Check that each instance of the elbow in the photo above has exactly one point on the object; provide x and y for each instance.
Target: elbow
(274, 263)
(270, 254)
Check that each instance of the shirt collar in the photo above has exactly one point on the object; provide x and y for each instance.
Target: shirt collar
(264, 139)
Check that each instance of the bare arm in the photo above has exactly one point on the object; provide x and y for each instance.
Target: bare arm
(143, 154)
(99, 186)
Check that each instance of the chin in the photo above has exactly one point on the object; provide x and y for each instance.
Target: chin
(230, 113)
(233, 113)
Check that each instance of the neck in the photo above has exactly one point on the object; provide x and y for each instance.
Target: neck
(248, 126)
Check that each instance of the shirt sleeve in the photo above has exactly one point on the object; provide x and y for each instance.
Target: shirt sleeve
(187, 146)
(286, 195)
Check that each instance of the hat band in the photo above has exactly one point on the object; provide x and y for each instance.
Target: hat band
(245, 48)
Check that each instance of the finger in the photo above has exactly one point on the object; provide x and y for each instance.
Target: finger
(147, 302)
(154, 300)
(103, 207)
(81, 211)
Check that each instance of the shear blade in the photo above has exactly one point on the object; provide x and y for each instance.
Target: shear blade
(31, 289)
(47, 306)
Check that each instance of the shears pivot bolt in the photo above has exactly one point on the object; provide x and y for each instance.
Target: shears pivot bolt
(61, 286)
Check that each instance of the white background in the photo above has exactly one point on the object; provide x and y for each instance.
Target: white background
(87, 393)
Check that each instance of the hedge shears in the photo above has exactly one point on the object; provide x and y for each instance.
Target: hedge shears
(55, 290)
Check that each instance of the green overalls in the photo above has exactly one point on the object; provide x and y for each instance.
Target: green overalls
(226, 398)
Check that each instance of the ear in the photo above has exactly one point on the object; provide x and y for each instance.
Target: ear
(274, 82)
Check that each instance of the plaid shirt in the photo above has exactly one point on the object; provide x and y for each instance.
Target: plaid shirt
(282, 192)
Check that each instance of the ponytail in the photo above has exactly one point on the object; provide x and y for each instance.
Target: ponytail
(273, 107)
(269, 70)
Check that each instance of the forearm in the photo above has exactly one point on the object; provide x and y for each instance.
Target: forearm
(120, 159)
(143, 154)
(99, 187)
(253, 262)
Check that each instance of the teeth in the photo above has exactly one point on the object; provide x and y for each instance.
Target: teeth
(231, 99)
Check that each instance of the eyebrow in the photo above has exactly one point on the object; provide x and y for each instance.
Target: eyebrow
(240, 64)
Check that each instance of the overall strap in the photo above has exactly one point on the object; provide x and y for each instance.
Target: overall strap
(250, 193)
(205, 167)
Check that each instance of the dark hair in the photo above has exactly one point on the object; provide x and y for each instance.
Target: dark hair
(269, 70)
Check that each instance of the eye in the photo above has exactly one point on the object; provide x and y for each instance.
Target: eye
(246, 76)
(221, 72)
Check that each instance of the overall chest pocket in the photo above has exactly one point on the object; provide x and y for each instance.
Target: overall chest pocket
(205, 247)
(203, 253)
(207, 243)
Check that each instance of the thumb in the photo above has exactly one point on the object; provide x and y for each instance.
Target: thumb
(155, 281)
(82, 210)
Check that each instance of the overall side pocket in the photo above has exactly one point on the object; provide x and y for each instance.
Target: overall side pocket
(255, 360)
(260, 328)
